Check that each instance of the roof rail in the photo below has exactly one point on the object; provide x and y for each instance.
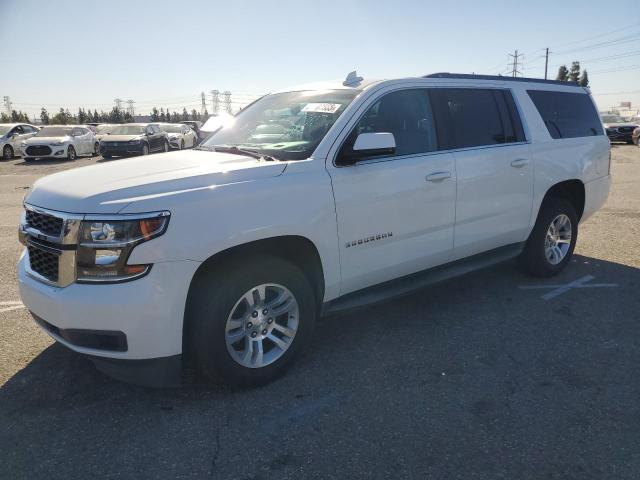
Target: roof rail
(469, 76)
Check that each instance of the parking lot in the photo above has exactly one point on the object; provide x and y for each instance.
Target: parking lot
(496, 375)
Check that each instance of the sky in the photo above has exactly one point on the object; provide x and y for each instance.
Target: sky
(71, 53)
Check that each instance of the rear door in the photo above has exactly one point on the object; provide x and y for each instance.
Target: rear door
(495, 181)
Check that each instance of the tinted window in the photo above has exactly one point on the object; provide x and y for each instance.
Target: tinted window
(475, 117)
(407, 115)
(567, 115)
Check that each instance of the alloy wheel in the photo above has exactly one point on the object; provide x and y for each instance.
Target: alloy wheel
(558, 239)
(262, 325)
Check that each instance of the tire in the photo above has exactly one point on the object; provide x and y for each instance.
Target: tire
(7, 152)
(166, 146)
(107, 157)
(182, 144)
(96, 149)
(28, 159)
(538, 257)
(217, 296)
(145, 149)
(71, 153)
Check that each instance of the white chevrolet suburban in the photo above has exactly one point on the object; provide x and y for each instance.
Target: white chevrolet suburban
(309, 201)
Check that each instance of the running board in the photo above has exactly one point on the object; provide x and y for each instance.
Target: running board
(406, 285)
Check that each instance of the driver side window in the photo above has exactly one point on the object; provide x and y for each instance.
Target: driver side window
(407, 115)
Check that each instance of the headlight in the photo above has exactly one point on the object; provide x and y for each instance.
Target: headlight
(135, 142)
(106, 244)
(56, 144)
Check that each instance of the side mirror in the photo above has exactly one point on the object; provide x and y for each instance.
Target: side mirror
(369, 145)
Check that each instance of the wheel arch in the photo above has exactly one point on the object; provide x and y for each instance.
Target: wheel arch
(296, 249)
(571, 190)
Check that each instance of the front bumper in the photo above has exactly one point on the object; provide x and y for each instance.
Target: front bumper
(121, 150)
(174, 142)
(59, 151)
(615, 136)
(148, 311)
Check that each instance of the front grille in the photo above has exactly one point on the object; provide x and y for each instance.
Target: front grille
(38, 150)
(626, 129)
(43, 263)
(47, 224)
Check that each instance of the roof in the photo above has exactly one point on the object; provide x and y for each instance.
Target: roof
(468, 76)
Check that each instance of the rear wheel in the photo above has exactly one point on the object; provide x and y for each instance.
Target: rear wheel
(145, 149)
(553, 239)
(71, 153)
(249, 322)
(7, 152)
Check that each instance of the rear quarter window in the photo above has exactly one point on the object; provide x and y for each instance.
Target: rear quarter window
(567, 115)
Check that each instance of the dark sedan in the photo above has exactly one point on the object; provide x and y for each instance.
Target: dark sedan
(134, 139)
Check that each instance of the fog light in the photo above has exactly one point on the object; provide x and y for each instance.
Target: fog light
(59, 152)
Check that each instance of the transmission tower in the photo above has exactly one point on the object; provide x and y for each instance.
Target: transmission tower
(516, 58)
(227, 101)
(204, 103)
(131, 109)
(118, 102)
(215, 101)
(7, 104)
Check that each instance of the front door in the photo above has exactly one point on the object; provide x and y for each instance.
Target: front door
(395, 213)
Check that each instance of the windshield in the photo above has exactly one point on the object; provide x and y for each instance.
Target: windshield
(128, 130)
(54, 132)
(104, 128)
(612, 119)
(171, 128)
(286, 126)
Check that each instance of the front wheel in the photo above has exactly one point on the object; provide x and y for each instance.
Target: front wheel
(71, 153)
(96, 149)
(552, 240)
(248, 323)
(181, 144)
(7, 152)
(166, 146)
(145, 149)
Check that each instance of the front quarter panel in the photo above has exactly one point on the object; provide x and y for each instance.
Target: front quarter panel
(209, 220)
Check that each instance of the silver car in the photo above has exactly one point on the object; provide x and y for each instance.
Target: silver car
(11, 137)
(61, 141)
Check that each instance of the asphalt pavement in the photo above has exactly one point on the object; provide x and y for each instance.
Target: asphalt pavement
(494, 375)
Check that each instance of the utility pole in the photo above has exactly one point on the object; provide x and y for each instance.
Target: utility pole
(227, 101)
(215, 101)
(7, 104)
(516, 56)
(131, 108)
(546, 63)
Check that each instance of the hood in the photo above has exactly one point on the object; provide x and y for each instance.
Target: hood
(110, 187)
(121, 138)
(46, 140)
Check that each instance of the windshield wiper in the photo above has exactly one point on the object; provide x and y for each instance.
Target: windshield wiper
(243, 151)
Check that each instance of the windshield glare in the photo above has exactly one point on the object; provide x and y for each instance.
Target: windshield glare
(287, 126)
(612, 119)
(128, 130)
(54, 132)
(104, 128)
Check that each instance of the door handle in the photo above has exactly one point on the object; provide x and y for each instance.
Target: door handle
(438, 176)
(519, 163)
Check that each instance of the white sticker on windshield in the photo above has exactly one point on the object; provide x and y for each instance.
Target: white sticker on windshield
(321, 107)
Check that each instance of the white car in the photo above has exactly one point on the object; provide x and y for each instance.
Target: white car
(12, 135)
(180, 136)
(228, 253)
(60, 141)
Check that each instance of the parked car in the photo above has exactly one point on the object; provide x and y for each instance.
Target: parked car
(134, 139)
(228, 253)
(103, 129)
(12, 135)
(618, 130)
(60, 141)
(180, 136)
(636, 136)
(195, 125)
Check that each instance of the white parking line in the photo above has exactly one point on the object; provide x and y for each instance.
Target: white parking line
(10, 305)
(560, 289)
(8, 309)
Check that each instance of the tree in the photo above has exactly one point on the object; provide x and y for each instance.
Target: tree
(115, 116)
(574, 72)
(96, 117)
(14, 116)
(82, 116)
(185, 114)
(205, 115)
(163, 117)
(4, 118)
(195, 115)
(154, 115)
(44, 116)
(563, 73)
(584, 79)
(127, 117)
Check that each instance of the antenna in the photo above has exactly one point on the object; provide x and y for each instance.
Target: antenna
(352, 79)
